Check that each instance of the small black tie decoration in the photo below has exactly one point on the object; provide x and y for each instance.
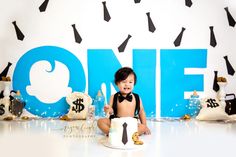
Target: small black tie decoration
(215, 84)
(78, 38)
(19, 34)
(121, 48)
(124, 135)
(188, 3)
(5, 71)
(230, 69)
(43, 6)
(213, 42)
(151, 26)
(107, 16)
(230, 17)
(137, 1)
(1, 96)
(179, 38)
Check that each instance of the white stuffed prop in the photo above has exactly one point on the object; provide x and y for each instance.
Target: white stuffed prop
(79, 103)
(212, 109)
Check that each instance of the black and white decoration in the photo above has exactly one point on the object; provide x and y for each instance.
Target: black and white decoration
(79, 105)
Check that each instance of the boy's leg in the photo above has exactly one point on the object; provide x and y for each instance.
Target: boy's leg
(104, 124)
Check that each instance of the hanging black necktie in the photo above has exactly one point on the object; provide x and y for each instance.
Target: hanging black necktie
(151, 26)
(78, 38)
(5, 71)
(137, 1)
(213, 42)
(1, 95)
(230, 69)
(188, 3)
(230, 18)
(19, 34)
(107, 16)
(122, 98)
(179, 38)
(43, 6)
(121, 48)
(215, 84)
(124, 135)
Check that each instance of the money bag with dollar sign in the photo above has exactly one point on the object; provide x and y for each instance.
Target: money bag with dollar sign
(79, 103)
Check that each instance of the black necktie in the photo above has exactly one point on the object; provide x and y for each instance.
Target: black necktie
(121, 48)
(128, 97)
(230, 69)
(19, 34)
(124, 135)
(107, 16)
(137, 1)
(1, 95)
(151, 26)
(230, 18)
(213, 42)
(78, 38)
(188, 3)
(179, 37)
(5, 71)
(215, 84)
(43, 6)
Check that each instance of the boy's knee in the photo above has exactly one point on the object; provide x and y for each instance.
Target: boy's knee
(99, 122)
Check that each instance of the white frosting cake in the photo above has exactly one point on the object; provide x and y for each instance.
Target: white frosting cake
(121, 132)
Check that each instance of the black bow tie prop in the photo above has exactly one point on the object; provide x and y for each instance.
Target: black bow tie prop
(128, 97)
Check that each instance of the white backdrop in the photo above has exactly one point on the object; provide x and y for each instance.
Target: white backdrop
(53, 27)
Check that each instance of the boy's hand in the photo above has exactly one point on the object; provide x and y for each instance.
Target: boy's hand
(147, 132)
(108, 109)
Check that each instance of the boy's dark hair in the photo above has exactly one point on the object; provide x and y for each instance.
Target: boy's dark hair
(123, 73)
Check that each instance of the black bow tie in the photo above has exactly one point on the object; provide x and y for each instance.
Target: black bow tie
(128, 97)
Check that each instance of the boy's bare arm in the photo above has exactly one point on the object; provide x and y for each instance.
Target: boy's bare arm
(142, 114)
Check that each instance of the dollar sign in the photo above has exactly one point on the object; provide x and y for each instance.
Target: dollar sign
(2, 111)
(212, 103)
(79, 106)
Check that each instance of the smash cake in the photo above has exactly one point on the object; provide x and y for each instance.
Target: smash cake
(123, 133)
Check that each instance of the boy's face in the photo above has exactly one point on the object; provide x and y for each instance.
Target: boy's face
(126, 86)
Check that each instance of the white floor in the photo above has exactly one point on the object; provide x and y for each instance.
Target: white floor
(169, 138)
